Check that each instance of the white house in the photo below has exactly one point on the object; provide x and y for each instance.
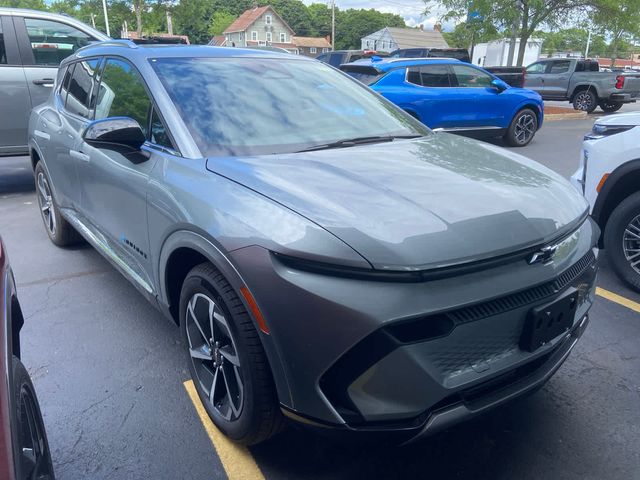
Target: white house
(496, 52)
(392, 38)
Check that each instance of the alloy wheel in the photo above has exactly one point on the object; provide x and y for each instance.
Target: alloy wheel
(33, 449)
(525, 128)
(583, 101)
(45, 201)
(631, 243)
(214, 355)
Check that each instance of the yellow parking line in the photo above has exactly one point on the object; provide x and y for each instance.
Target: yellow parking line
(236, 460)
(614, 297)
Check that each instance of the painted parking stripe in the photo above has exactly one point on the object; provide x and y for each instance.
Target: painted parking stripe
(620, 300)
(236, 459)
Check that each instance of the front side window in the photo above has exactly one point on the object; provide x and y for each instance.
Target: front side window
(539, 67)
(159, 134)
(262, 106)
(122, 93)
(52, 42)
(80, 86)
(560, 66)
(469, 77)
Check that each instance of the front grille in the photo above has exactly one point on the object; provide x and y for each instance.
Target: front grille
(524, 297)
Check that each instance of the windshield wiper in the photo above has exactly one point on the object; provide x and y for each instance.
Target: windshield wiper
(351, 142)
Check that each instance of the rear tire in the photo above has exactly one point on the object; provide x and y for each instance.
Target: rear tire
(60, 232)
(620, 242)
(522, 129)
(33, 448)
(585, 101)
(226, 359)
(610, 107)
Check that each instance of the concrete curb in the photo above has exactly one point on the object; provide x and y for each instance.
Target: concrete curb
(566, 116)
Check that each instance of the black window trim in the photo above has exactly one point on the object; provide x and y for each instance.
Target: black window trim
(10, 42)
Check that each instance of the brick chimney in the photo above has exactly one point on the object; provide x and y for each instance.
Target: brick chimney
(437, 27)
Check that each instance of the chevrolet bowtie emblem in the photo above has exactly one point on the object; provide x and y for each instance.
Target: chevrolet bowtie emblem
(544, 255)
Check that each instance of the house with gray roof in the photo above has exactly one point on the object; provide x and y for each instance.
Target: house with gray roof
(391, 38)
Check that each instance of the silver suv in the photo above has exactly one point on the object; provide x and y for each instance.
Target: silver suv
(32, 45)
(327, 257)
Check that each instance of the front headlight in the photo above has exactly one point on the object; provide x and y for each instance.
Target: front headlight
(601, 131)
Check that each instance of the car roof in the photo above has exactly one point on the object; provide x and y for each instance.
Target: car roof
(135, 52)
(24, 12)
(385, 64)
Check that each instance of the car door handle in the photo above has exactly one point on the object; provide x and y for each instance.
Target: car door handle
(79, 155)
(45, 82)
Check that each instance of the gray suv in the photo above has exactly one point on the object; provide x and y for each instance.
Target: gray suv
(32, 45)
(328, 258)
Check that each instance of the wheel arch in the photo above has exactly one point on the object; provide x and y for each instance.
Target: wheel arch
(584, 86)
(530, 105)
(621, 183)
(35, 154)
(183, 250)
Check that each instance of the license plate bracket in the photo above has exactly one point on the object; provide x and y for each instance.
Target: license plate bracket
(546, 322)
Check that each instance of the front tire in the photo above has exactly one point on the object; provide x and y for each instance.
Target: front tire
(622, 240)
(522, 129)
(226, 358)
(610, 107)
(585, 101)
(33, 448)
(60, 232)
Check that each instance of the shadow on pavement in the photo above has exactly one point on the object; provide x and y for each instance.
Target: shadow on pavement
(16, 175)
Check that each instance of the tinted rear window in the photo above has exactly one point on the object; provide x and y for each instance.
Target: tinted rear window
(365, 74)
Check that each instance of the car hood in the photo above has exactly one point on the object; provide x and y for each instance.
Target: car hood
(415, 204)
(628, 118)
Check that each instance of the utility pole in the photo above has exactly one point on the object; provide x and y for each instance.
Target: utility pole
(106, 18)
(333, 25)
(586, 52)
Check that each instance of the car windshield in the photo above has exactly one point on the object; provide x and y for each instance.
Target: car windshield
(256, 106)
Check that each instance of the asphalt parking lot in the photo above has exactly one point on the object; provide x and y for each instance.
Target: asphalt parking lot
(112, 379)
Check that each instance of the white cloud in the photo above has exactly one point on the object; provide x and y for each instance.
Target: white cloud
(411, 10)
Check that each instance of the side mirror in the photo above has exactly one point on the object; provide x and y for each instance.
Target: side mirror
(120, 134)
(499, 85)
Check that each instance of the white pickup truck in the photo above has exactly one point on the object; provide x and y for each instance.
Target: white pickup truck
(582, 83)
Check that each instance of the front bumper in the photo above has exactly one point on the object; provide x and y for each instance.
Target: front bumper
(412, 358)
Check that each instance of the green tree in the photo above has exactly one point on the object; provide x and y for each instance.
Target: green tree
(33, 4)
(620, 21)
(465, 33)
(527, 15)
(320, 17)
(220, 21)
(352, 25)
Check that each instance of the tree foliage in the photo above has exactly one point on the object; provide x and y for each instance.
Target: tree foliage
(619, 20)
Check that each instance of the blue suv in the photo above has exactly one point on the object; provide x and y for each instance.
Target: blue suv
(451, 95)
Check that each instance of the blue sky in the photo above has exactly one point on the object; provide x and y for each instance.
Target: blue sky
(410, 10)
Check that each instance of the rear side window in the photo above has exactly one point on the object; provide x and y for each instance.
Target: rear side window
(3, 52)
(52, 42)
(560, 66)
(122, 94)
(80, 86)
(335, 59)
(434, 76)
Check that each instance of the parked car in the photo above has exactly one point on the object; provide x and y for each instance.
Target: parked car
(609, 177)
(24, 450)
(461, 54)
(328, 258)
(582, 83)
(32, 45)
(338, 57)
(454, 96)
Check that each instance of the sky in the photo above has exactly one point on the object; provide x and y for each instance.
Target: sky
(411, 10)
